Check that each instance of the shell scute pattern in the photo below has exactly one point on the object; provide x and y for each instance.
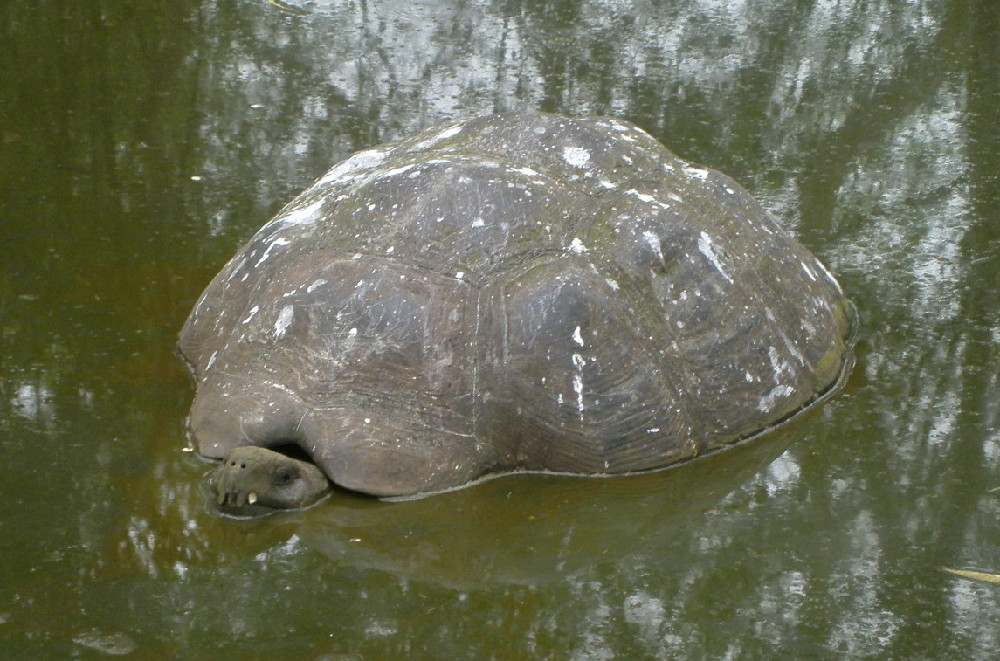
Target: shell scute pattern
(511, 292)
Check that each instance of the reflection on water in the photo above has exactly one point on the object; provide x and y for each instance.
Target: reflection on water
(141, 142)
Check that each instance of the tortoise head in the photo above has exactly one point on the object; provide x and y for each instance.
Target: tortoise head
(252, 481)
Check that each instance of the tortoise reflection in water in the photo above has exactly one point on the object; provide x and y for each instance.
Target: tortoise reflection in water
(513, 292)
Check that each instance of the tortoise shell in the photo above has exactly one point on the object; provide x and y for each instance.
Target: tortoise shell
(512, 292)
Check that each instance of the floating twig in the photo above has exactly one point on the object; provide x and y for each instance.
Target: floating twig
(291, 9)
(974, 575)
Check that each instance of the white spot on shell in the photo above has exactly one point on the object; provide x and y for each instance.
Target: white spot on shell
(254, 310)
(707, 249)
(395, 171)
(578, 389)
(576, 245)
(643, 197)
(478, 222)
(809, 271)
(577, 336)
(363, 160)
(768, 401)
(315, 285)
(577, 157)
(267, 253)
(647, 198)
(528, 172)
(654, 243)
(352, 333)
(697, 173)
(792, 349)
(449, 132)
(829, 276)
(612, 283)
(284, 320)
(777, 364)
(304, 216)
(459, 275)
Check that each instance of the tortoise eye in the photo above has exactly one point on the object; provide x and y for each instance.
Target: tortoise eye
(285, 477)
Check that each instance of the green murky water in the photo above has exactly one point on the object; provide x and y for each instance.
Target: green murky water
(141, 142)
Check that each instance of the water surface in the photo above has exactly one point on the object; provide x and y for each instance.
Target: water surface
(141, 142)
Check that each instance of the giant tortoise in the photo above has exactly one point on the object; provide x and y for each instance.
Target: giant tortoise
(518, 292)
